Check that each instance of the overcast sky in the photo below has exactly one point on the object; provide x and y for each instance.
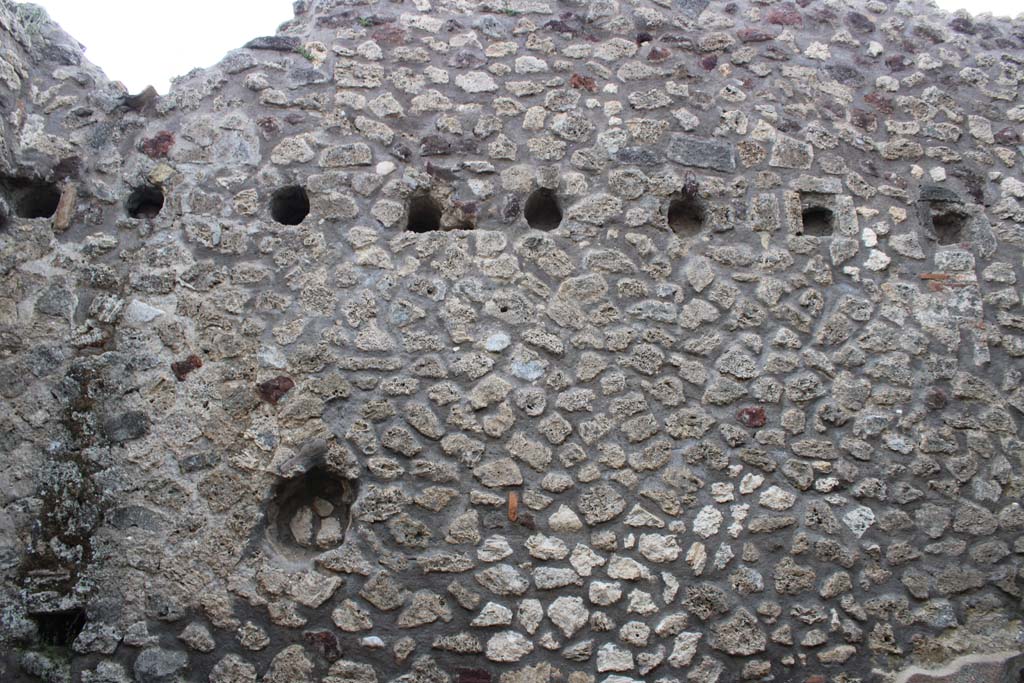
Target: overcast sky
(140, 42)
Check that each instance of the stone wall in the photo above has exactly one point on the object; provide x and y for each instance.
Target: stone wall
(516, 341)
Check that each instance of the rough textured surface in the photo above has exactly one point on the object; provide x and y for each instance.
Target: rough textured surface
(516, 341)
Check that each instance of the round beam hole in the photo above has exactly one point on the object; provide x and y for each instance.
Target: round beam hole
(290, 205)
(685, 216)
(36, 199)
(145, 202)
(542, 211)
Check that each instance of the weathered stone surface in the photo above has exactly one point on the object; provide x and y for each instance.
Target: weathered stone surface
(651, 334)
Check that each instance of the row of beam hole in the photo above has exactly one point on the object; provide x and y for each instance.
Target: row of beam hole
(290, 206)
(542, 211)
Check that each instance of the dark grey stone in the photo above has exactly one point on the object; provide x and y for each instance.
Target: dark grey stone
(687, 150)
(156, 665)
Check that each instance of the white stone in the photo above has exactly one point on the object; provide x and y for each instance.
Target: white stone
(584, 559)
(1012, 187)
(708, 521)
(508, 646)
(564, 520)
(604, 593)
(530, 615)
(641, 602)
(877, 260)
(668, 594)
(546, 547)
(697, 558)
(493, 614)
(493, 549)
(859, 519)
(776, 498)
(568, 614)
(627, 568)
(138, 312)
(528, 64)
(723, 556)
(476, 82)
(499, 341)
(684, 649)
(385, 168)
(750, 483)
(611, 657)
(722, 492)
(658, 548)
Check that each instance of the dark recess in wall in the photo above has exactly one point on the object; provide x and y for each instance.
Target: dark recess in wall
(290, 205)
(31, 198)
(818, 221)
(685, 216)
(542, 211)
(424, 214)
(145, 202)
(948, 222)
(59, 629)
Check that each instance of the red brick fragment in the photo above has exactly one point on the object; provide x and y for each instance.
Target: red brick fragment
(752, 417)
(273, 390)
(181, 368)
(753, 35)
(579, 82)
(658, 54)
(785, 14)
(474, 676)
(324, 643)
(158, 146)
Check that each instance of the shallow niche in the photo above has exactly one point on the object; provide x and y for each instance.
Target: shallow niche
(424, 214)
(542, 211)
(59, 629)
(145, 202)
(686, 215)
(949, 222)
(29, 198)
(311, 512)
(290, 205)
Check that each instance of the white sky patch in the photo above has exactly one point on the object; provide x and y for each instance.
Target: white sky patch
(140, 43)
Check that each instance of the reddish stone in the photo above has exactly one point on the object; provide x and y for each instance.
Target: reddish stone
(752, 417)
(269, 125)
(709, 63)
(1008, 136)
(390, 35)
(897, 63)
(753, 35)
(785, 14)
(935, 398)
(658, 54)
(880, 102)
(181, 368)
(473, 676)
(324, 643)
(863, 119)
(159, 145)
(273, 390)
(583, 83)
